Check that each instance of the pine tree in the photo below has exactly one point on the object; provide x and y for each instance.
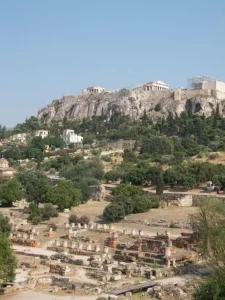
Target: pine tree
(159, 184)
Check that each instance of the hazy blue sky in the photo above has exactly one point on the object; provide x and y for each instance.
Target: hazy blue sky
(49, 48)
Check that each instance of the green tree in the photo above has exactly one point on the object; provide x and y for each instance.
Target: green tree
(171, 176)
(157, 145)
(212, 289)
(209, 226)
(113, 175)
(11, 191)
(188, 180)
(113, 212)
(153, 173)
(36, 185)
(83, 186)
(127, 190)
(159, 184)
(129, 156)
(48, 211)
(5, 225)
(142, 204)
(64, 195)
(7, 261)
(124, 201)
(137, 176)
(88, 139)
(157, 107)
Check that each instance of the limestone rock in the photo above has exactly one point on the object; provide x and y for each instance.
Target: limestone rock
(133, 103)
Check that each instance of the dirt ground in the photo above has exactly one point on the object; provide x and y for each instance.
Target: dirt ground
(36, 295)
(94, 210)
(91, 209)
(170, 213)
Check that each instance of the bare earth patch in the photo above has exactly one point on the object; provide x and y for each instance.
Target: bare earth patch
(91, 209)
(170, 213)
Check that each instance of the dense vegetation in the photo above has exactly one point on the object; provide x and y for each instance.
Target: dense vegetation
(161, 156)
(7, 258)
(128, 199)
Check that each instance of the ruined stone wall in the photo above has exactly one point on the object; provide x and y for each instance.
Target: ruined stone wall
(179, 199)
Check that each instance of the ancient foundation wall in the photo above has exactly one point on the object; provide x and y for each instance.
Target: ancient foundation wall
(183, 199)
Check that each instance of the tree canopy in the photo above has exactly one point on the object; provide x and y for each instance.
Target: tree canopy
(7, 261)
(64, 195)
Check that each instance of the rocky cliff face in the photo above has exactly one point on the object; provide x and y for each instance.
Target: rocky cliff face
(133, 103)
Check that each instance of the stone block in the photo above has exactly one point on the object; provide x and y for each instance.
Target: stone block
(73, 245)
(133, 232)
(57, 243)
(97, 248)
(88, 247)
(106, 249)
(116, 277)
(80, 245)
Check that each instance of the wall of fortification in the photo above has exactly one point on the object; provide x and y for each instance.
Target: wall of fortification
(219, 95)
(185, 94)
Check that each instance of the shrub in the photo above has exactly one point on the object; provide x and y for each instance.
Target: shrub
(73, 219)
(154, 202)
(5, 225)
(213, 155)
(157, 107)
(113, 175)
(106, 158)
(48, 211)
(200, 155)
(96, 152)
(52, 171)
(84, 220)
(142, 204)
(36, 220)
(165, 159)
(113, 212)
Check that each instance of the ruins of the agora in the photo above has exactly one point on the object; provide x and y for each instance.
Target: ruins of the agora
(112, 259)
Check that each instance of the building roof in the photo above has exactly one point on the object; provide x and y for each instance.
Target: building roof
(95, 87)
(158, 82)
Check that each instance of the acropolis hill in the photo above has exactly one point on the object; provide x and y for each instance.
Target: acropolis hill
(203, 97)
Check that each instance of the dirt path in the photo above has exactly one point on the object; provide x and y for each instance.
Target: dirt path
(34, 295)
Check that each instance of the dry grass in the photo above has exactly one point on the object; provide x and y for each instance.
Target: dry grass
(170, 213)
(91, 209)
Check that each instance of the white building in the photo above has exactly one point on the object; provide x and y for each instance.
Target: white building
(156, 86)
(70, 137)
(19, 138)
(41, 133)
(5, 170)
(92, 90)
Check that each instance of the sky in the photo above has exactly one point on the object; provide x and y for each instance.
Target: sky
(51, 48)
